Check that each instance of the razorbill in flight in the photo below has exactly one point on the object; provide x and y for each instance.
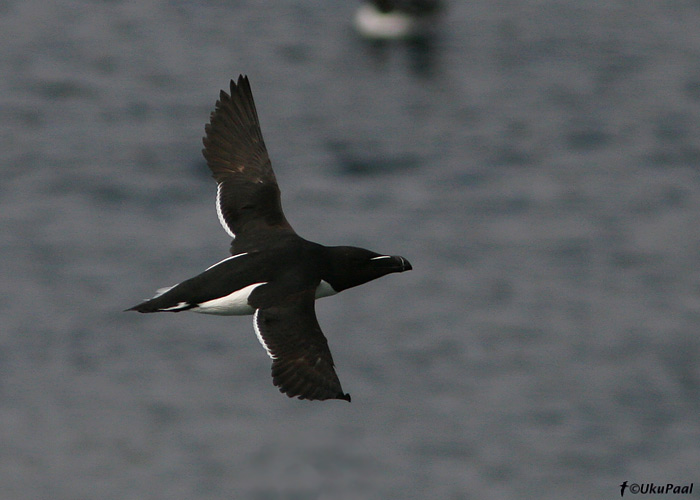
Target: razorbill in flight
(272, 273)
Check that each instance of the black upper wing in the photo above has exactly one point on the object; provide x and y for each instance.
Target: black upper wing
(302, 364)
(248, 198)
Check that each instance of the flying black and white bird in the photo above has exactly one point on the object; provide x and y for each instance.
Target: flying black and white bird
(272, 273)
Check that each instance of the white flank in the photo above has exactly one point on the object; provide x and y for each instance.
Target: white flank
(324, 289)
(259, 334)
(222, 261)
(233, 304)
(221, 214)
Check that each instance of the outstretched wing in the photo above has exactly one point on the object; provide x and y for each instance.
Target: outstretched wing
(302, 364)
(247, 197)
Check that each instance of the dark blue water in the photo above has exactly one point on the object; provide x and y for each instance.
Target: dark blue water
(537, 163)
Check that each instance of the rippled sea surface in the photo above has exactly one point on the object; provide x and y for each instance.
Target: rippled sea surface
(537, 162)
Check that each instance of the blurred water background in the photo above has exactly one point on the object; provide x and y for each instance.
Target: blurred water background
(537, 162)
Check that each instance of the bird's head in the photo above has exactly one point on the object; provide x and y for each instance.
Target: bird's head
(353, 266)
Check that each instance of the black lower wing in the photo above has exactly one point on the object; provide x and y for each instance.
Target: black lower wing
(302, 365)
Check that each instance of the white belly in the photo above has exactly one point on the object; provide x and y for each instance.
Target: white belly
(235, 303)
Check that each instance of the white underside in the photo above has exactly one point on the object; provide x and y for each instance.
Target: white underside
(236, 303)
(233, 304)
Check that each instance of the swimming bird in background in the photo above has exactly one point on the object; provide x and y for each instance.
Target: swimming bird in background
(272, 273)
(396, 19)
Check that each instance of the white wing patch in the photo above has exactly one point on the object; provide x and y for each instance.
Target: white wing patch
(258, 334)
(233, 304)
(220, 213)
